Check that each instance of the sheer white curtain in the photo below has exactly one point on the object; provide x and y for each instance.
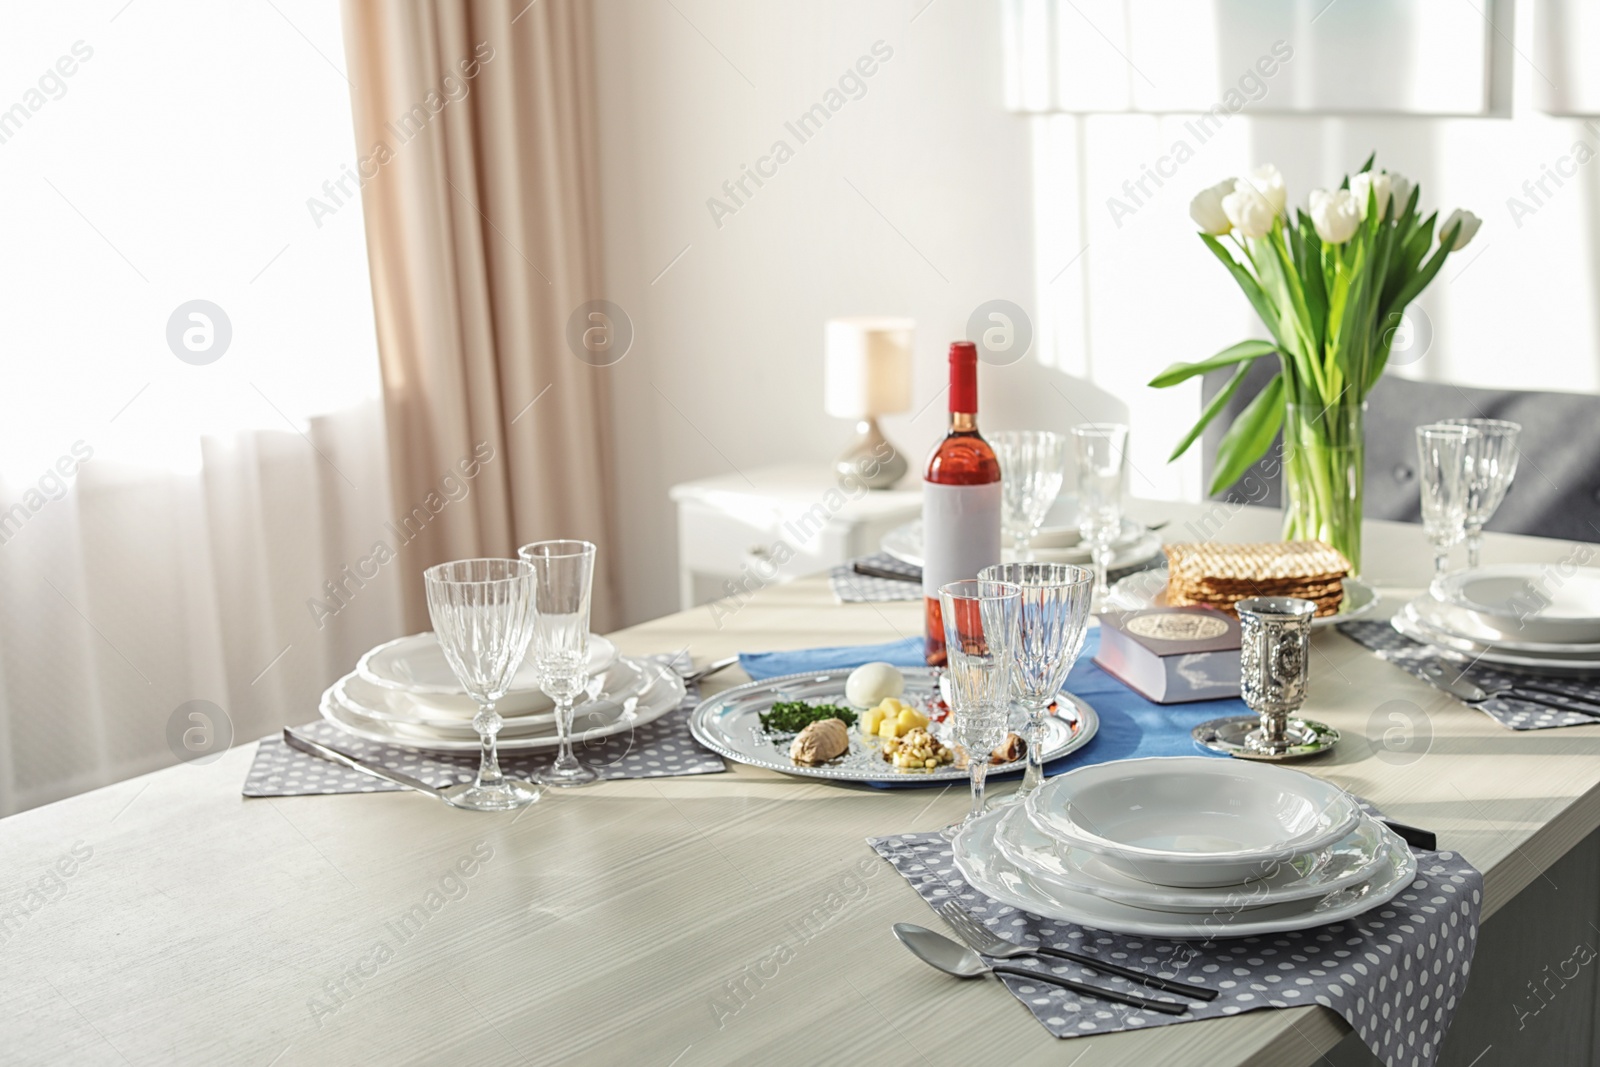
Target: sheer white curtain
(169, 526)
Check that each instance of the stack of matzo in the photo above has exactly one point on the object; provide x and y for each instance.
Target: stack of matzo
(1219, 575)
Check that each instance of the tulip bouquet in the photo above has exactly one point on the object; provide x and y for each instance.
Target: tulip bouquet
(1331, 287)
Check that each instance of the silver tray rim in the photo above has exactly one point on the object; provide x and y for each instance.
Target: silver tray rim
(1089, 726)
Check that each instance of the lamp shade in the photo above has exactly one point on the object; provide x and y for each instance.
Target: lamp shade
(867, 366)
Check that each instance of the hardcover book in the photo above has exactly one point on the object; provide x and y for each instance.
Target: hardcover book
(1172, 655)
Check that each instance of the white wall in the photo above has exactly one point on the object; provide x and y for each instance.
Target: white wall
(977, 203)
(726, 373)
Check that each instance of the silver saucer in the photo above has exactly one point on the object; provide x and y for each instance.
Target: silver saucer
(1231, 736)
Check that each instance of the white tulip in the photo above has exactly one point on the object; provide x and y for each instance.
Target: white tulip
(1469, 227)
(1269, 183)
(1335, 215)
(1250, 212)
(1400, 190)
(1206, 209)
(1377, 184)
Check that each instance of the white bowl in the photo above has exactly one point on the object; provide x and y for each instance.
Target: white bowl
(1192, 821)
(1528, 601)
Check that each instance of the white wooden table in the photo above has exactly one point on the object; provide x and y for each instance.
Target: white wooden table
(720, 919)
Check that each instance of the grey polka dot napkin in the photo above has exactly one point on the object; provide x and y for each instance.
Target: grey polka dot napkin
(655, 750)
(1395, 973)
(852, 588)
(1508, 711)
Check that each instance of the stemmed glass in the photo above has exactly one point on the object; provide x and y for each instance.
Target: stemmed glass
(1493, 463)
(1030, 480)
(1102, 454)
(563, 575)
(481, 610)
(1445, 451)
(980, 630)
(1053, 616)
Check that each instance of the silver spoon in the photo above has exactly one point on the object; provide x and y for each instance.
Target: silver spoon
(943, 954)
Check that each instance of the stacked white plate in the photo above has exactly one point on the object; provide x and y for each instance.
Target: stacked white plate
(1536, 617)
(405, 693)
(1186, 847)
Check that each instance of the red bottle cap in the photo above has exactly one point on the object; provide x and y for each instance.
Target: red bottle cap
(964, 377)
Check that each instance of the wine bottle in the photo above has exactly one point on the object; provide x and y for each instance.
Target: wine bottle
(960, 499)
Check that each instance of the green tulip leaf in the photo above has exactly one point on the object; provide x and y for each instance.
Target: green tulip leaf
(1251, 434)
(1239, 353)
(1218, 402)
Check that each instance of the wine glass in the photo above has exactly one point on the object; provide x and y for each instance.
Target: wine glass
(1030, 479)
(1493, 464)
(563, 575)
(481, 611)
(980, 630)
(1445, 451)
(1053, 616)
(1102, 454)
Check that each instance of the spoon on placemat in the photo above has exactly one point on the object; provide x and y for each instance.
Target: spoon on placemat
(940, 952)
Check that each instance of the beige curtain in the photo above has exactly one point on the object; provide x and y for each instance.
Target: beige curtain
(475, 129)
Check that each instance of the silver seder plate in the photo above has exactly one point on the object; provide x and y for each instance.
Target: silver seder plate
(730, 725)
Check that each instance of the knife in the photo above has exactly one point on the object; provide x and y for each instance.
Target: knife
(872, 570)
(1456, 684)
(333, 755)
(709, 669)
(1464, 689)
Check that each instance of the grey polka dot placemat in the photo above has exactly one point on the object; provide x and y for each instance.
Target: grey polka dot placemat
(655, 750)
(1508, 711)
(852, 588)
(1395, 973)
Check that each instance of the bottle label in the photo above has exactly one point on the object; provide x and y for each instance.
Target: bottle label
(960, 532)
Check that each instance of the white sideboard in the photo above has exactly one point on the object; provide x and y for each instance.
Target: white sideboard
(749, 530)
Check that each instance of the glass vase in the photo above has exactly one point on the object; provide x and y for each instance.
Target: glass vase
(1323, 453)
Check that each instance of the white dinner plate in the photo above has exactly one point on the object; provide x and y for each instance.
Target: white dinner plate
(1447, 620)
(1528, 601)
(1148, 589)
(1460, 649)
(1133, 546)
(1355, 858)
(989, 871)
(599, 706)
(1192, 821)
(664, 693)
(417, 665)
(623, 678)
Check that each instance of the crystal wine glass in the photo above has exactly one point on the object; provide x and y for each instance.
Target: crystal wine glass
(563, 575)
(1053, 616)
(1445, 452)
(980, 630)
(481, 611)
(1102, 454)
(1493, 464)
(1030, 480)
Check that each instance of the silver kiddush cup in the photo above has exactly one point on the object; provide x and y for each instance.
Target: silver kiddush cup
(1274, 665)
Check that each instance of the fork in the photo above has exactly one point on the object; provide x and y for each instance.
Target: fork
(985, 942)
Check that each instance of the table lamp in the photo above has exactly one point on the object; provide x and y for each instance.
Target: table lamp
(867, 374)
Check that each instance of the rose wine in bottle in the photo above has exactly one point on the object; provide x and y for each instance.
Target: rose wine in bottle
(960, 499)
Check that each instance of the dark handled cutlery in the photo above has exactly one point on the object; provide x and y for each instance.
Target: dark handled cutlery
(1465, 690)
(333, 755)
(873, 571)
(946, 955)
(987, 943)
